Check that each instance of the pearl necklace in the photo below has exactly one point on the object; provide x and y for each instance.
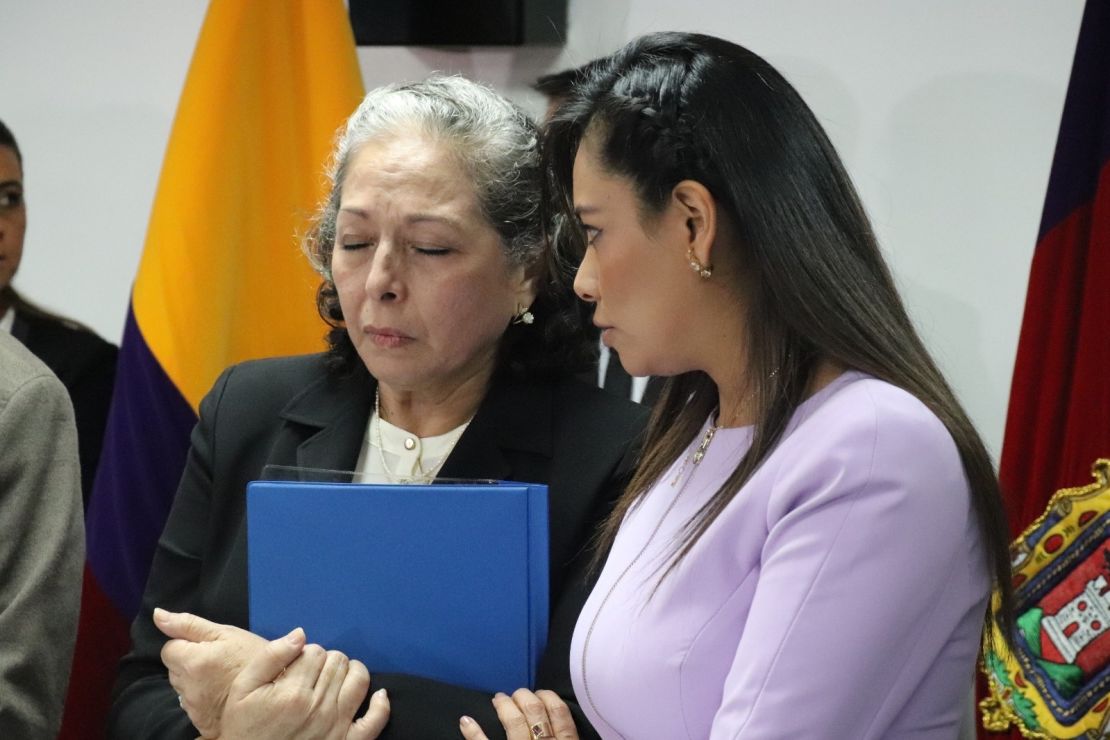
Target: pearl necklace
(422, 476)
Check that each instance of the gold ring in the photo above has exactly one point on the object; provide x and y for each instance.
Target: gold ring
(541, 729)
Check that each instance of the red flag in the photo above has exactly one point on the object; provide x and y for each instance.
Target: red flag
(1059, 415)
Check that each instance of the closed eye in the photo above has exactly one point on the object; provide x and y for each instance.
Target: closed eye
(592, 233)
(356, 245)
(432, 251)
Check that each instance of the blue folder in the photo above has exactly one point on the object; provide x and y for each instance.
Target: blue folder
(445, 581)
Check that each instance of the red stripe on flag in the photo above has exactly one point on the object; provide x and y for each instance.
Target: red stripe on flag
(102, 637)
(1059, 414)
(1058, 421)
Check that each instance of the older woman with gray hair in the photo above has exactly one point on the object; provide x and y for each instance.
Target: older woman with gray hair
(452, 352)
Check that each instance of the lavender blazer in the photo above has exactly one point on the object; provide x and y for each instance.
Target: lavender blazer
(840, 594)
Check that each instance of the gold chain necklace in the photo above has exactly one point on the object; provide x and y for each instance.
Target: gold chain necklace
(698, 454)
(422, 476)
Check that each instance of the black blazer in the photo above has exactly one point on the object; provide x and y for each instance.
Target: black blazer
(86, 365)
(289, 411)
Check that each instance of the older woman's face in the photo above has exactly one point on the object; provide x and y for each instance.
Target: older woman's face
(13, 214)
(424, 285)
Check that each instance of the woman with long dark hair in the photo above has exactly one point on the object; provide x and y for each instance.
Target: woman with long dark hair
(808, 546)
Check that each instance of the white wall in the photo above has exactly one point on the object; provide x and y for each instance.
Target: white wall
(945, 112)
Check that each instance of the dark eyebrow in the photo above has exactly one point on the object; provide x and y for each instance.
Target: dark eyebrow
(9, 183)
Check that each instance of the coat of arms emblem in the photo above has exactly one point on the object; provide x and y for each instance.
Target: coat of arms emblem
(1055, 683)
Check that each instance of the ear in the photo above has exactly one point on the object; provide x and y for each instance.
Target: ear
(523, 287)
(697, 208)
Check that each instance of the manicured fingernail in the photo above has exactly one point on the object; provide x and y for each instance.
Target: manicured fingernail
(161, 614)
(296, 637)
(380, 693)
(465, 721)
(500, 695)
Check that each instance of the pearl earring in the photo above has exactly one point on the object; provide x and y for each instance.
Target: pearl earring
(523, 315)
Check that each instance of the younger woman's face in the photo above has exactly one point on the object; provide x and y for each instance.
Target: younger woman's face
(634, 271)
(13, 214)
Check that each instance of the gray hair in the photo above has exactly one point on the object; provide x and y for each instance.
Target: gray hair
(494, 140)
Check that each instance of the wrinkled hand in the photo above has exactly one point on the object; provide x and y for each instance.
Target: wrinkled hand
(290, 690)
(203, 658)
(522, 712)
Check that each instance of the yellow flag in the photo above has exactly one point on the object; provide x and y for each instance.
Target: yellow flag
(221, 277)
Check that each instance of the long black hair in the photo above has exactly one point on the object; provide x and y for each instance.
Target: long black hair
(680, 106)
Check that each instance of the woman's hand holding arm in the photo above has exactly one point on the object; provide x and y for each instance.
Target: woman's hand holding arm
(203, 658)
(526, 715)
(290, 690)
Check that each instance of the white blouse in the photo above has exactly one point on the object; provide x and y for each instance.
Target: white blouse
(402, 457)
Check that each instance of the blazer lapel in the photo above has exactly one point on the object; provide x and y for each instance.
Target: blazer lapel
(332, 415)
(512, 417)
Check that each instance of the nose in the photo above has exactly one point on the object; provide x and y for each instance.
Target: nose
(383, 279)
(585, 280)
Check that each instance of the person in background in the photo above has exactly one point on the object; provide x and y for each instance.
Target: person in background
(558, 86)
(42, 544)
(85, 363)
(808, 545)
(611, 375)
(453, 350)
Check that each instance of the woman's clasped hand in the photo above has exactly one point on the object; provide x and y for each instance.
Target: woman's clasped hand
(525, 715)
(235, 684)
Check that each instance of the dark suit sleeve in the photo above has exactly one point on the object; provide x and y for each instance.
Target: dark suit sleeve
(91, 392)
(144, 704)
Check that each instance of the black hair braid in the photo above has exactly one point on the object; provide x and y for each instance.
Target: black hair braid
(651, 122)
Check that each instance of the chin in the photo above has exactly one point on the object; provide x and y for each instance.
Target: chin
(635, 361)
(381, 368)
(640, 366)
(634, 365)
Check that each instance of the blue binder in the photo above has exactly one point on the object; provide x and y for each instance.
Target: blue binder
(445, 581)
